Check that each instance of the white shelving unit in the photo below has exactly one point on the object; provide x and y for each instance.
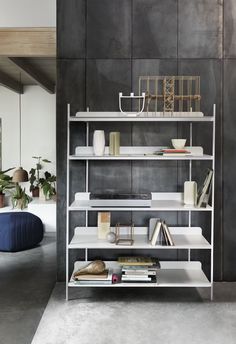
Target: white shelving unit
(172, 273)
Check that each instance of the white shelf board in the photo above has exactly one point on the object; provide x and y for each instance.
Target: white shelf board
(171, 274)
(183, 237)
(138, 153)
(140, 157)
(144, 117)
(156, 205)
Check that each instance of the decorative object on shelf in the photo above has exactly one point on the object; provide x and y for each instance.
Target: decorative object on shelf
(19, 198)
(120, 200)
(178, 143)
(141, 99)
(20, 175)
(124, 234)
(104, 223)
(34, 175)
(99, 142)
(47, 186)
(171, 93)
(204, 192)
(190, 193)
(116, 278)
(114, 143)
(94, 268)
(5, 184)
(111, 237)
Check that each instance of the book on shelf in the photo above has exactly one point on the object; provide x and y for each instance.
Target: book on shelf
(103, 278)
(156, 233)
(204, 192)
(161, 235)
(138, 261)
(173, 152)
(139, 274)
(152, 225)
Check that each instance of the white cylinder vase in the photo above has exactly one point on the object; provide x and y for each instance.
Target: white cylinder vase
(99, 142)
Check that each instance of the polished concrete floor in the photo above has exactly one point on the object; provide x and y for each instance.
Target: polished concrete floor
(140, 316)
(26, 281)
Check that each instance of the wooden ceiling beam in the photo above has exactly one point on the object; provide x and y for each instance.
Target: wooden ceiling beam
(10, 83)
(28, 42)
(34, 74)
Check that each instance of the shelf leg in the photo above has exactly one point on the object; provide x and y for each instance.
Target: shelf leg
(86, 254)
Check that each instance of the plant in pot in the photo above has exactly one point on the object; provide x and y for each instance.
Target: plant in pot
(19, 198)
(35, 175)
(48, 185)
(5, 184)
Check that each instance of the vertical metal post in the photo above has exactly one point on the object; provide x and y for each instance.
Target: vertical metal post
(67, 200)
(213, 198)
(190, 178)
(87, 172)
(86, 255)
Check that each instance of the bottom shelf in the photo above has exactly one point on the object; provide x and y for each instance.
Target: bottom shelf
(171, 274)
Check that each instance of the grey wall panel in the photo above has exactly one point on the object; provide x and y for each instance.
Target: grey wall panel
(154, 28)
(71, 18)
(110, 176)
(200, 28)
(229, 170)
(71, 78)
(230, 28)
(105, 79)
(109, 29)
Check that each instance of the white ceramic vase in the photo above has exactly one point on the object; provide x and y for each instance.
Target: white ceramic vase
(99, 142)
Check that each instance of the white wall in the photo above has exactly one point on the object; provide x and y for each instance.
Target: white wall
(38, 127)
(27, 13)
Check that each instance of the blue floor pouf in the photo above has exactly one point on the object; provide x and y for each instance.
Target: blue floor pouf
(19, 231)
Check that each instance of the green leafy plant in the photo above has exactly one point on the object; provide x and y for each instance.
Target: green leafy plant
(48, 185)
(20, 199)
(35, 172)
(5, 181)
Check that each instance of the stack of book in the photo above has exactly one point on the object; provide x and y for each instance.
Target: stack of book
(138, 269)
(93, 279)
(204, 192)
(173, 152)
(161, 234)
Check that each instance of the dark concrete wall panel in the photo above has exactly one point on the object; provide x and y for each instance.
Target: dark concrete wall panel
(108, 29)
(200, 28)
(70, 78)
(230, 28)
(105, 79)
(71, 19)
(154, 28)
(229, 170)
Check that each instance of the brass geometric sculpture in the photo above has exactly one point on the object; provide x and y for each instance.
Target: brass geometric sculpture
(124, 234)
(171, 93)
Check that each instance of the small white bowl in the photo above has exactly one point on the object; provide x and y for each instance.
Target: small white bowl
(178, 143)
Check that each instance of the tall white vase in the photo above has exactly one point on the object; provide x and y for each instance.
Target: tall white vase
(99, 142)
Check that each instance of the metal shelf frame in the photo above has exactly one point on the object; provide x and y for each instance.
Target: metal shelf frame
(88, 117)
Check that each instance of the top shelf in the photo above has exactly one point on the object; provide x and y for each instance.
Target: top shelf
(144, 117)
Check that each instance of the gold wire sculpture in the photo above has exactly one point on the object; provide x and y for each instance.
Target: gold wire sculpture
(170, 93)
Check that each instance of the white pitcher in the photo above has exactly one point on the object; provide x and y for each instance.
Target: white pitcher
(99, 142)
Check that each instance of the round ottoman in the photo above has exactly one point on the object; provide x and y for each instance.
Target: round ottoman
(19, 231)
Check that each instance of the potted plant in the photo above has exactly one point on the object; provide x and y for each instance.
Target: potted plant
(5, 184)
(35, 174)
(20, 199)
(48, 185)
